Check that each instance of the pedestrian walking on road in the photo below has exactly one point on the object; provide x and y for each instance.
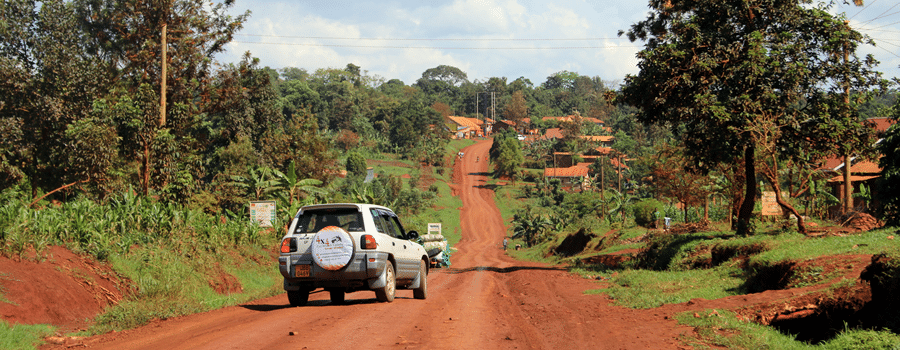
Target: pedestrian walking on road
(505, 242)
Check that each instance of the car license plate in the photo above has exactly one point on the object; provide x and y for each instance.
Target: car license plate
(301, 270)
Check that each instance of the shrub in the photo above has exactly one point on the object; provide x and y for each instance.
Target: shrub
(356, 165)
(645, 212)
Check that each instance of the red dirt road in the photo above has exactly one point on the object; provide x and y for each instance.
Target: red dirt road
(485, 301)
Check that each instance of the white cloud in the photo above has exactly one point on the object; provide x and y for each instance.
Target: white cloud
(296, 33)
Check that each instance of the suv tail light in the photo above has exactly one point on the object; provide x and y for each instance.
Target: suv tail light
(288, 245)
(368, 242)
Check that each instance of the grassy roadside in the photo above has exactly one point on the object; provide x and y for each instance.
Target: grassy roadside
(655, 269)
(173, 257)
(723, 329)
(19, 336)
(445, 207)
(170, 256)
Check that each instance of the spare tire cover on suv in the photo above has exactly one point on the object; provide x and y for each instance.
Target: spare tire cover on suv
(332, 248)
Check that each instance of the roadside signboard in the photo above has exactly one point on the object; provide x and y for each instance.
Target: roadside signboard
(434, 228)
(769, 205)
(262, 212)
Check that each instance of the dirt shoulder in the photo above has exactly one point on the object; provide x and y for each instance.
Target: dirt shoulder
(59, 288)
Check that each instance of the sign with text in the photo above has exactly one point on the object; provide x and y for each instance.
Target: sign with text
(262, 212)
(434, 228)
(769, 206)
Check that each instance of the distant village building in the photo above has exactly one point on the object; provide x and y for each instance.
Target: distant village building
(862, 172)
(570, 177)
(465, 128)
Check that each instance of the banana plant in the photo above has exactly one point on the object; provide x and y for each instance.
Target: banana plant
(865, 194)
(817, 190)
(530, 226)
(295, 186)
(616, 203)
(258, 181)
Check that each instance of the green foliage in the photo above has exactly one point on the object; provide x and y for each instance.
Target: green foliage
(509, 159)
(530, 226)
(721, 328)
(889, 183)
(356, 165)
(125, 221)
(20, 336)
(767, 61)
(258, 181)
(648, 289)
(646, 212)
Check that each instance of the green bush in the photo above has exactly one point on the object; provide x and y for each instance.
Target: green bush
(356, 165)
(645, 212)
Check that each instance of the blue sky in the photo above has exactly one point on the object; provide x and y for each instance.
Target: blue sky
(484, 38)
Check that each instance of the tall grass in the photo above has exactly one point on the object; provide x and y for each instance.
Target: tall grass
(721, 328)
(649, 289)
(168, 255)
(124, 222)
(19, 336)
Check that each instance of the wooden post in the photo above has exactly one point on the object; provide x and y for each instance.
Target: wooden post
(162, 92)
(848, 185)
(602, 179)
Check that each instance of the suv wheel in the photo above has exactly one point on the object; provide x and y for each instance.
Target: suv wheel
(337, 296)
(298, 297)
(422, 291)
(386, 293)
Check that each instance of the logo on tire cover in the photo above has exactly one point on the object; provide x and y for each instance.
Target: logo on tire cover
(332, 248)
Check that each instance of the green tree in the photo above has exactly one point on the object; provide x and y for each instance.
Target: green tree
(296, 187)
(243, 102)
(739, 77)
(530, 226)
(889, 184)
(300, 142)
(258, 181)
(443, 84)
(356, 165)
(127, 34)
(46, 84)
(510, 159)
(516, 110)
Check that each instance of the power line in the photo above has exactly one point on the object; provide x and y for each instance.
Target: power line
(863, 9)
(427, 39)
(884, 14)
(889, 51)
(440, 48)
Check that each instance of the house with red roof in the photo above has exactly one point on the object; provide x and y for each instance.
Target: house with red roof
(572, 118)
(862, 172)
(606, 141)
(464, 128)
(570, 177)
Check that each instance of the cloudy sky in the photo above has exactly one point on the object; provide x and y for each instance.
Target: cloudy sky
(484, 38)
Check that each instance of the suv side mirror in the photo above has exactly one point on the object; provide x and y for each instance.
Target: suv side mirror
(412, 235)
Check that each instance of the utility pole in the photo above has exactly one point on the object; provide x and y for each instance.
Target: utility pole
(162, 93)
(476, 104)
(848, 185)
(493, 113)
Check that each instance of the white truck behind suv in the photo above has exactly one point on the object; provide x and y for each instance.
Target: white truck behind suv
(345, 248)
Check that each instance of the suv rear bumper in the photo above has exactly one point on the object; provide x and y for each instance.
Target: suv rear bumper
(363, 267)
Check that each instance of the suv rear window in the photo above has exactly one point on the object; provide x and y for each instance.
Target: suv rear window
(311, 221)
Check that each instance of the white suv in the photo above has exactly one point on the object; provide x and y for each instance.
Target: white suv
(345, 248)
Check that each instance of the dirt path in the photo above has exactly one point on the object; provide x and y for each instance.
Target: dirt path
(486, 301)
